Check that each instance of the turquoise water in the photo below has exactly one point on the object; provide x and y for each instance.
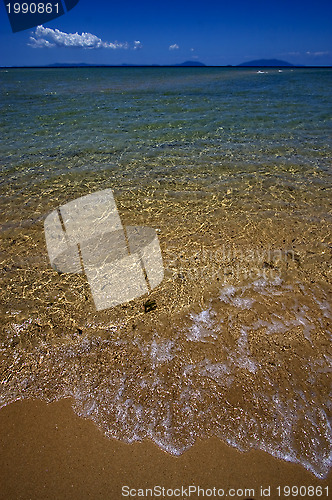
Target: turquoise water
(233, 167)
(53, 120)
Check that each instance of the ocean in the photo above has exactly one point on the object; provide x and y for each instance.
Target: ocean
(232, 167)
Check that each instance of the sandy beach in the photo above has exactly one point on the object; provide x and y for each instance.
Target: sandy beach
(230, 368)
(47, 452)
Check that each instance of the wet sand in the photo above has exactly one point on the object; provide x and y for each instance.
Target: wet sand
(238, 344)
(48, 452)
(226, 353)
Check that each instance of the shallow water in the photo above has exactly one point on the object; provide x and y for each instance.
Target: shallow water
(233, 169)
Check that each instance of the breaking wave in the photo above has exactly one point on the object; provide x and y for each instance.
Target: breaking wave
(244, 369)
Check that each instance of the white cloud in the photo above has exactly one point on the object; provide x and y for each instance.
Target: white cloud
(40, 43)
(317, 54)
(174, 47)
(47, 37)
(137, 45)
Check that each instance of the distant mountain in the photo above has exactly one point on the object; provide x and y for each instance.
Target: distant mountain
(191, 63)
(84, 65)
(266, 62)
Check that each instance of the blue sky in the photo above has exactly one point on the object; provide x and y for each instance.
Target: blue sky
(172, 31)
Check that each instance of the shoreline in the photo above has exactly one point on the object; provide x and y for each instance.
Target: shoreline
(47, 451)
(236, 343)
